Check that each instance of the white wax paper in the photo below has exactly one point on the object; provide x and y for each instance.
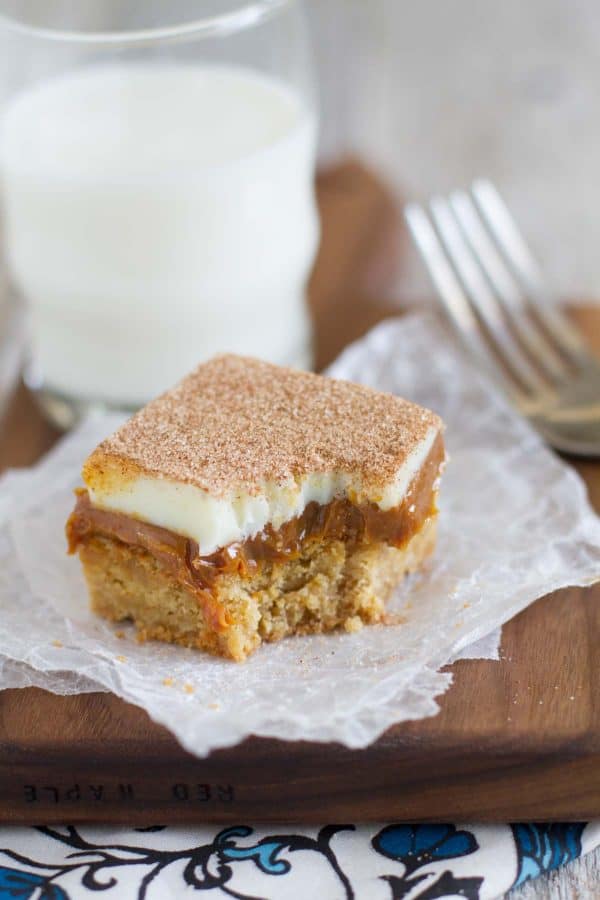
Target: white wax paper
(515, 524)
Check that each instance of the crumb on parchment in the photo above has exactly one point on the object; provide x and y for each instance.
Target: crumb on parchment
(353, 624)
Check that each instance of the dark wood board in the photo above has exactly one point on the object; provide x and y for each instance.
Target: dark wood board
(515, 740)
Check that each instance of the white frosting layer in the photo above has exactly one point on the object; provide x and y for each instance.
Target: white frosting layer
(215, 522)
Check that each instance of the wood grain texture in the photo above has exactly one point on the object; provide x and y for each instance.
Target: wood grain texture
(515, 740)
(578, 880)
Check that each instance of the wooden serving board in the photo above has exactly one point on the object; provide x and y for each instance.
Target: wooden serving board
(515, 740)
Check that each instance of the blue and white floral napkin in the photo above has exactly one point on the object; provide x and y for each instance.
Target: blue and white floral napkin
(334, 862)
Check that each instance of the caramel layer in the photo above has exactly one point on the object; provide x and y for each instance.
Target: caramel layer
(340, 520)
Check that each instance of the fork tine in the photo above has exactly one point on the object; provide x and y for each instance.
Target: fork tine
(482, 298)
(452, 295)
(516, 252)
(507, 290)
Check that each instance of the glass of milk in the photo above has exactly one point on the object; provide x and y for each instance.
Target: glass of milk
(157, 184)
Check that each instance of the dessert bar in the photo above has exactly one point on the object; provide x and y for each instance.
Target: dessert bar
(252, 502)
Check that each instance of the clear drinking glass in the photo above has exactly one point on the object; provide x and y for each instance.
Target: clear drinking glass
(158, 191)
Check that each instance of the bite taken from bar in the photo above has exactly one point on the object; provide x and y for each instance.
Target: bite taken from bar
(253, 502)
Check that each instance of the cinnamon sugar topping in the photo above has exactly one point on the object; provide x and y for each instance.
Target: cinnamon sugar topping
(236, 422)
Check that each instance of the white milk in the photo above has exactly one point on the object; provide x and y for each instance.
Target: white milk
(156, 215)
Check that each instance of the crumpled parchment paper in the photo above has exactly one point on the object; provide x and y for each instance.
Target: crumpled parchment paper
(515, 524)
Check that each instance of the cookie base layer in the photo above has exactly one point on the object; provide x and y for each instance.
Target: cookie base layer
(330, 585)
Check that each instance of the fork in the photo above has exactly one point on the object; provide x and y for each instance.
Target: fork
(493, 293)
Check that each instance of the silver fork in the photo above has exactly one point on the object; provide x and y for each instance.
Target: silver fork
(494, 295)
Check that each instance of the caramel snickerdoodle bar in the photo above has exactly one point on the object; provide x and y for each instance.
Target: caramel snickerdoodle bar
(252, 502)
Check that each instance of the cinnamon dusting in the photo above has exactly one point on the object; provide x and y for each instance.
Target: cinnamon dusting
(235, 423)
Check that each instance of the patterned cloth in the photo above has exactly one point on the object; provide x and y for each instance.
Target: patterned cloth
(349, 862)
